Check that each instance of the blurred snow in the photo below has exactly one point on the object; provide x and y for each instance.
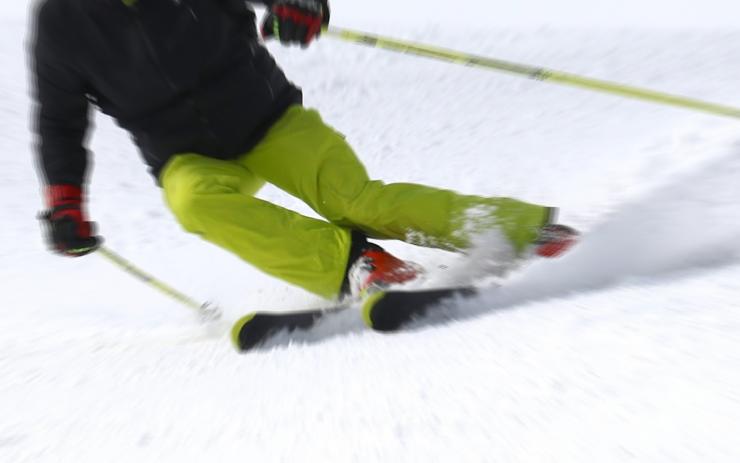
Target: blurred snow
(625, 350)
(481, 14)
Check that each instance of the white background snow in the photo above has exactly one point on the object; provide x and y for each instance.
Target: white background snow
(627, 349)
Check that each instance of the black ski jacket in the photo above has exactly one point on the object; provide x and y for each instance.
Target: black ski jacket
(180, 75)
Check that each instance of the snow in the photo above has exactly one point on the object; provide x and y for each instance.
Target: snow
(627, 349)
(604, 13)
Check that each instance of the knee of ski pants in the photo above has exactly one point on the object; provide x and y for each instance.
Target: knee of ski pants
(344, 192)
(190, 183)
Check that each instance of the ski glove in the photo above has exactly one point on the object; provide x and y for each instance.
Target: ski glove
(68, 231)
(296, 21)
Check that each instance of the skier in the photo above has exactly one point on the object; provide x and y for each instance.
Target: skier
(215, 118)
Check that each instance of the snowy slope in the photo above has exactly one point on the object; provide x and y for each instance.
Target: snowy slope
(625, 350)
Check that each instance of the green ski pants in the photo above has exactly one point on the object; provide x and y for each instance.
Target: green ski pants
(308, 159)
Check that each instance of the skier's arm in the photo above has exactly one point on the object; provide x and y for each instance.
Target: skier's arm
(61, 126)
(61, 107)
(291, 21)
(241, 5)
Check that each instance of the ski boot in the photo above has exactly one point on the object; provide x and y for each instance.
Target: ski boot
(554, 240)
(376, 269)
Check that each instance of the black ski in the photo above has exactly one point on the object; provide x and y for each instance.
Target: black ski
(390, 310)
(254, 329)
(381, 311)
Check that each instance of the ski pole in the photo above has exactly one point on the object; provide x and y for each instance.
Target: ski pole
(532, 72)
(206, 310)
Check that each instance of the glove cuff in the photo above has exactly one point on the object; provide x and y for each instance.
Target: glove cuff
(63, 195)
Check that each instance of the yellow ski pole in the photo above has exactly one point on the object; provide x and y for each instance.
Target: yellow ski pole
(206, 311)
(532, 72)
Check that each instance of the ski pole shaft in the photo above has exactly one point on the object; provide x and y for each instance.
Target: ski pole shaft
(532, 72)
(205, 309)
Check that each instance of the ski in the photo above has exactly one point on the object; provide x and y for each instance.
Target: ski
(381, 311)
(254, 329)
(391, 310)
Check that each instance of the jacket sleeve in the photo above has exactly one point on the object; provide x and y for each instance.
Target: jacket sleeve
(61, 113)
(241, 5)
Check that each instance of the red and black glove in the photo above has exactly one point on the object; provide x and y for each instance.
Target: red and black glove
(296, 21)
(67, 229)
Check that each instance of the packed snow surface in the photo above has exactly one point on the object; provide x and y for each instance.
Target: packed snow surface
(627, 349)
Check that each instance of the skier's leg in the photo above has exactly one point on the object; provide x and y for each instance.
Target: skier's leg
(308, 159)
(213, 198)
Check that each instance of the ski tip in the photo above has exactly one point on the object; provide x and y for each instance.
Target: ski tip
(367, 308)
(236, 331)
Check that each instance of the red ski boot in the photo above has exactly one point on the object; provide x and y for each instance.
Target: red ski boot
(554, 240)
(375, 269)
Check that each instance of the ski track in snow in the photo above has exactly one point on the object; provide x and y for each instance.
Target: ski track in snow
(627, 349)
